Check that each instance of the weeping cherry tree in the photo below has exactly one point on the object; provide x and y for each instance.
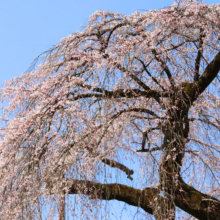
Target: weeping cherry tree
(127, 109)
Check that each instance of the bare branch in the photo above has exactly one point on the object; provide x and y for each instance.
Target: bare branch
(199, 56)
(207, 122)
(196, 203)
(186, 197)
(120, 166)
(165, 67)
(209, 74)
(152, 149)
(140, 198)
(153, 78)
(135, 78)
(119, 93)
(142, 110)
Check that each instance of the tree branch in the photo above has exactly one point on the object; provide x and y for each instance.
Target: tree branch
(186, 197)
(196, 203)
(209, 74)
(120, 166)
(165, 67)
(207, 122)
(149, 74)
(148, 199)
(143, 110)
(139, 82)
(151, 150)
(199, 56)
(135, 78)
(119, 93)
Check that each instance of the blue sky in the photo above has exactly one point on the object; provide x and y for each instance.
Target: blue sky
(30, 27)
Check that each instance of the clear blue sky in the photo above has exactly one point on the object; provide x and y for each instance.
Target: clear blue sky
(30, 27)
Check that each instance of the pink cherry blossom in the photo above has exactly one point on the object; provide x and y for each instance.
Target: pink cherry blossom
(127, 109)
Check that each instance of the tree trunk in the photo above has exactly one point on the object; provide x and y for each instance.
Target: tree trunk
(61, 214)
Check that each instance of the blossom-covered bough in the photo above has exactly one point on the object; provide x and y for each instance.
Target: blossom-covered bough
(134, 96)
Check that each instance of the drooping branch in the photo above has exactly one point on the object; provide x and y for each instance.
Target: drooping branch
(207, 122)
(110, 34)
(113, 163)
(141, 110)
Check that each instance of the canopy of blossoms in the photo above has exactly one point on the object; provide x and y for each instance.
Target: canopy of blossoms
(128, 91)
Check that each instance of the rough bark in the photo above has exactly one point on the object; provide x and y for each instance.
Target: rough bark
(209, 74)
(192, 201)
(148, 199)
(61, 211)
(196, 203)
